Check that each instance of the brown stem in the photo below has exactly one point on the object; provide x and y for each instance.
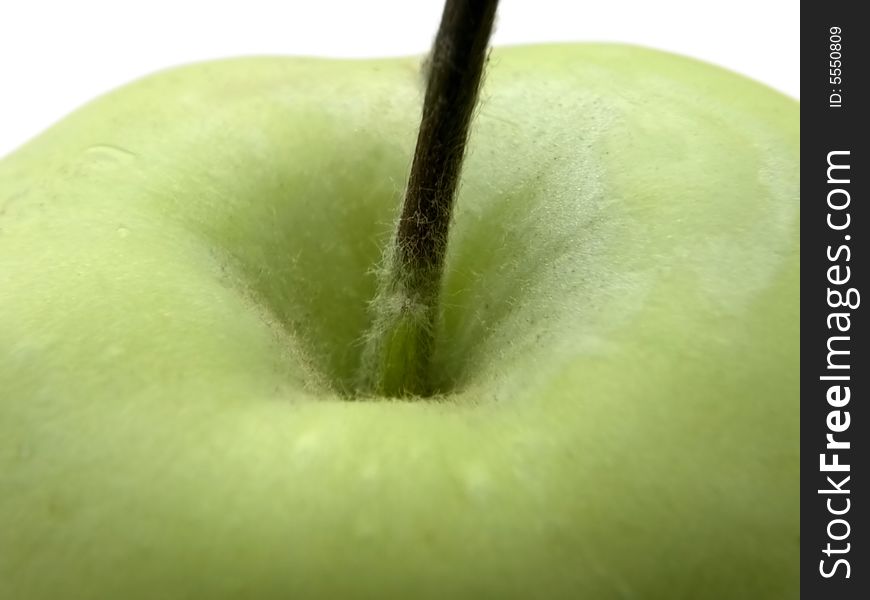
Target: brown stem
(400, 345)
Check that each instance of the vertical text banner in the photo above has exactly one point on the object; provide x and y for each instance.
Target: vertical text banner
(835, 563)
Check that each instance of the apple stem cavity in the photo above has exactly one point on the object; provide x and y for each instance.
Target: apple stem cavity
(400, 344)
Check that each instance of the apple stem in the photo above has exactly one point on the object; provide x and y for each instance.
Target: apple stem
(399, 347)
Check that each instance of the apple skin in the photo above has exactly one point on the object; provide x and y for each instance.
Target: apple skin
(185, 267)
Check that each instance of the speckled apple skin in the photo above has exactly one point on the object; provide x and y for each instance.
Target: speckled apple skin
(185, 271)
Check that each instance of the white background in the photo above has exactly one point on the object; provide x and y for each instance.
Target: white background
(57, 54)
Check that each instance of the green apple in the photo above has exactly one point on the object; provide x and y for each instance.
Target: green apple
(186, 267)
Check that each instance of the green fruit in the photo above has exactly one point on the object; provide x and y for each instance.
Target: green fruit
(185, 271)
